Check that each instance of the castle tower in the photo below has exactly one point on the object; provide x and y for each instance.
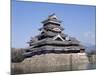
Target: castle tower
(52, 28)
(52, 39)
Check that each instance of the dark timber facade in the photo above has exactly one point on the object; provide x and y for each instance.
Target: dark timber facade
(52, 40)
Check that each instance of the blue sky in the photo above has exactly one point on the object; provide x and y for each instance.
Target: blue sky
(78, 21)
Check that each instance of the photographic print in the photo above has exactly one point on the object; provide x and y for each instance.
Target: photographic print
(52, 37)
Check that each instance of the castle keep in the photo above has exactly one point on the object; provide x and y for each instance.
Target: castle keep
(52, 40)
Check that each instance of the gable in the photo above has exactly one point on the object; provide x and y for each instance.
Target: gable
(58, 37)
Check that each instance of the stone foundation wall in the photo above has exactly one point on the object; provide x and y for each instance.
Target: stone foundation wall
(50, 62)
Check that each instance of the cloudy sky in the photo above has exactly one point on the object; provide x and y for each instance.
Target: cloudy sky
(77, 20)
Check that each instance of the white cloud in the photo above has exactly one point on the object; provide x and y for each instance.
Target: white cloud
(89, 37)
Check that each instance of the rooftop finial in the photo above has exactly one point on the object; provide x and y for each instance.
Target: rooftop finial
(53, 16)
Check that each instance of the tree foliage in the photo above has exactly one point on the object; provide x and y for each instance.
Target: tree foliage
(16, 55)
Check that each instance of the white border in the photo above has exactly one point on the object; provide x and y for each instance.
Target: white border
(5, 41)
(82, 2)
(4, 37)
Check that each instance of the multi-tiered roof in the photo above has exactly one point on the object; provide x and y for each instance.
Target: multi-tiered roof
(53, 40)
